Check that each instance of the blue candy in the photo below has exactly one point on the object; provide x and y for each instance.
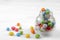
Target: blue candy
(18, 34)
(43, 13)
(8, 29)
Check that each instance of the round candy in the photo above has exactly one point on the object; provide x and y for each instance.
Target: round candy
(18, 34)
(42, 21)
(32, 31)
(43, 9)
(13, 28)
(37, 36)
(40, 25)
(27, 35)
(21, 32)
(50, 24)
(44, 25)
(48, 28)
(8, 29)
(18, 24)
(47, 12)
(11, 33)
(16, 29)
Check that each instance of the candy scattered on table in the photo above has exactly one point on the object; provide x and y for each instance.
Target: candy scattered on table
(27, 35)
(21, 32)
(18, 34)
(8, 29)
(32, 30)
(16, 29)
(18, 24)
(13, 28)
(11, 33)
(37, 35)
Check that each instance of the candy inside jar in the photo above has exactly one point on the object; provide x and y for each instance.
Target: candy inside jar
(45, 21)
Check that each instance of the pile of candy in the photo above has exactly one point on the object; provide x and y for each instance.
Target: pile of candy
(45, 21)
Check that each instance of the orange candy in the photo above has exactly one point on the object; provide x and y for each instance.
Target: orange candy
(43, 9)
(32, 31)
(40, 25)
(18, 24)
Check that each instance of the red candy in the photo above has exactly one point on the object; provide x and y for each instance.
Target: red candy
(13, 28)
(16, 29)
(40, 25)
(48, 28)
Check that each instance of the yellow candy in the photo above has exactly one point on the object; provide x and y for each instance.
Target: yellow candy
(27, 35)
(11, 33)
(31, 27)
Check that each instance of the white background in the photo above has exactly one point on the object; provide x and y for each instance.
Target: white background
(25, 12)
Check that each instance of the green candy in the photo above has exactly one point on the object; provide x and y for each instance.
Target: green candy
(47, 11)
(42, 21)
(50, 24)
(21, 32)
(37, 36)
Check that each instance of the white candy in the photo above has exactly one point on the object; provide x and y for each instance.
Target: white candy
(44, 26)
